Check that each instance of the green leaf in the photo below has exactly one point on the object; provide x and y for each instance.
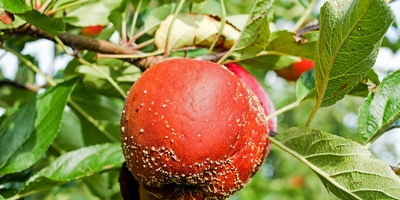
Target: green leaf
(305, 86)
(104, 185)
(144, 4)
(24, 74)
(18, 43)
(20, 8)
(207, 7)
(373, 77)
(75, 165)
(31, 129)
(346, 168)
(91, 13)
(156, 15)
(53, 26)
(350, 35)
(17, 127)
(363, 88)
(15, 6)
(269, 62)
(99, 116)
(70, 136)
(255, 35)
(286, 43)
(122, 72)
(65, 3)
(283, 49)
(117, 16)
(12, 95)
(381, 108)
(193, 30)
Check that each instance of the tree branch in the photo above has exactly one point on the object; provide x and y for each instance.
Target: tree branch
(80, 42)
(15, 84)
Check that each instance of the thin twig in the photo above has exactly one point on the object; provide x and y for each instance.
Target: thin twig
(78, 41)
(91, 120)
(222, 23)
(134, 20)
(304, 18)
(15, 84)
(106, 76)
(284, 109)
(63, 7)
(178, 9)
(29, 64)
(307, 29)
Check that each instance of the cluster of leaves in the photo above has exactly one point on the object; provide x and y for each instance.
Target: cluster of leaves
(68, 129)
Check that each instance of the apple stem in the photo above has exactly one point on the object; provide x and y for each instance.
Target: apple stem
(124, 36)
(272, 133)
(135, 17)
(136, 36)
(66, 6)
(129, 56)
(143, 44)
(304, 18)
(178, 9)
(314, 110)
(221, 28)
(284, 109)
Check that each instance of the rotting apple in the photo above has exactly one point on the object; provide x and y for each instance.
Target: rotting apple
(259, 91)
(92, 30)
(294, 71)
(256, 87)
(192, 129)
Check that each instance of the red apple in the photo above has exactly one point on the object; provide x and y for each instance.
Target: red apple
(297, 181)
(6, 17)
(191, 129)
(92, 30)
(259, 91)
(294, 71)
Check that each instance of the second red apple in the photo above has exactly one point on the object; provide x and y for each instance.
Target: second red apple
(294, 71)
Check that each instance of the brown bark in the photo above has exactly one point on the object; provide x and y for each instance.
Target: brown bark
(79, 42)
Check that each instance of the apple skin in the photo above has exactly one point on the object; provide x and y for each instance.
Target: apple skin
(258, 90)
(294, 71)
(92, 30)
(191, 129)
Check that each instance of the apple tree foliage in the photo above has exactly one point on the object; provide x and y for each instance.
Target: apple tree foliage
(62, 137)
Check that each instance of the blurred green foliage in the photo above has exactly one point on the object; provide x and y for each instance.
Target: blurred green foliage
(280, 177)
